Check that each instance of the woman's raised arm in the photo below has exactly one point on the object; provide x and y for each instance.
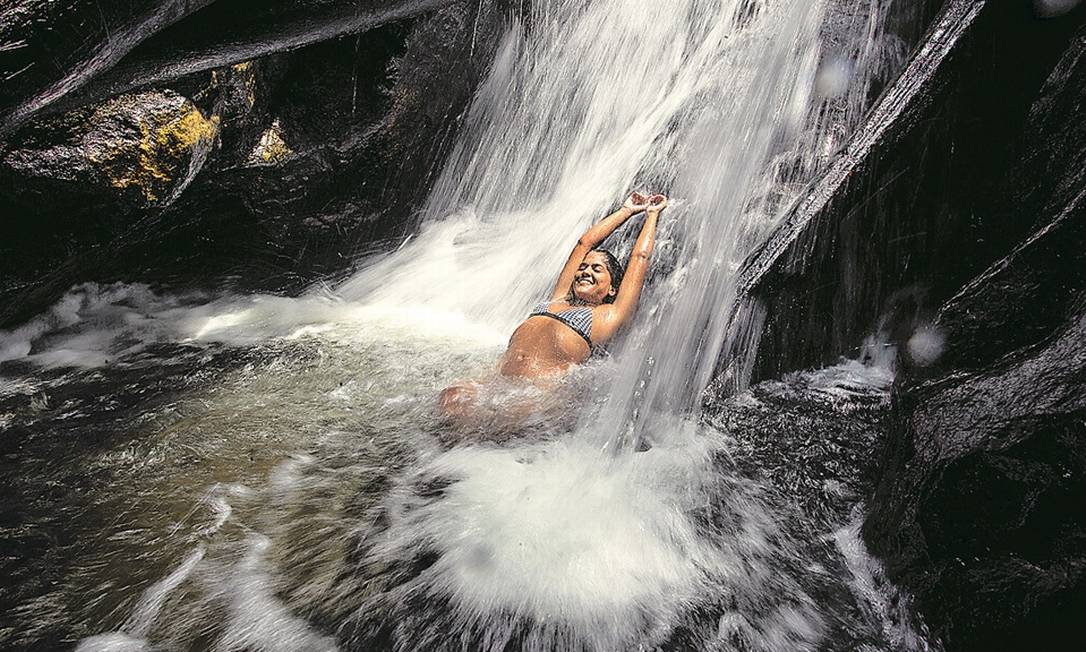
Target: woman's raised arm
(592, 237)
(611, 317)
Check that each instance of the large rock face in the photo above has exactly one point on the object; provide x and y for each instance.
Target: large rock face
(914, 204)
(133, 149)
(955, 225)
(49, 48)
(55, 55)
(981, 509)
(266, 172)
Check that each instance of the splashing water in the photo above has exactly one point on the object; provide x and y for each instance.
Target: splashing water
(627, 530)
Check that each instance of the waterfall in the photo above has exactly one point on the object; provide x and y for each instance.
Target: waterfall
(719, 103)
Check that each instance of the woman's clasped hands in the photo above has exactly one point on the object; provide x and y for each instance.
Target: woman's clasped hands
(638, 202)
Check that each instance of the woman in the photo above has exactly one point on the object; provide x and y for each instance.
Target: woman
(592, 299)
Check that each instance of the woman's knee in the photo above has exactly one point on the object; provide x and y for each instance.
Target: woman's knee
(456, 399)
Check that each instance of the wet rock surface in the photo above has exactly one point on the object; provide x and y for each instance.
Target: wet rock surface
(49, 48)
(918, 202)
(301, 159)
(812, 436)
(810, 441)
(981, 505)
(63, 54)
(961, 242)
(132, 150)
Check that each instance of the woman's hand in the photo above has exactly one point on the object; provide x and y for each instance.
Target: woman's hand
(656, 203)
(636, 203)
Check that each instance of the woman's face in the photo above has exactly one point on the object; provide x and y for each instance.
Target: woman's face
(592, 282)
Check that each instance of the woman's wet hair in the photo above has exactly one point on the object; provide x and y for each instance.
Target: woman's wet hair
(616, 270)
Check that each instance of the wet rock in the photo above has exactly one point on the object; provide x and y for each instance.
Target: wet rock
(917, 200)
(367, 122)
(811, 436)
(49, 48)
(981, 505)
(82, 182)
(133, 149)
(316, 153)
(981, 508)
(229, 33)
(63, 55)
(271, 149)
(85, 181)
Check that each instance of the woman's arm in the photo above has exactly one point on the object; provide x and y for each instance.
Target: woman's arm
(608, 318)
(592, 237)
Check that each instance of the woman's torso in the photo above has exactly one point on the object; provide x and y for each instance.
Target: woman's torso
(545, 344)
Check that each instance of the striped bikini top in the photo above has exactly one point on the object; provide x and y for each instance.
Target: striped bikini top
(579, 319)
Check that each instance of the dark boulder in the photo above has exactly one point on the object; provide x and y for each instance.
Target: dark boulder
(981, 505)
(81, 184)
(812, 437)
(62, 55)
(132, 150)
(361, 127)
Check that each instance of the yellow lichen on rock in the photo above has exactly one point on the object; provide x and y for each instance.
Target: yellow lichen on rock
(167, 140)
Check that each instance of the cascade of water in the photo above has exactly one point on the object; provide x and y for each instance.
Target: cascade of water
(797, 85)
(721, 172)
(596, 98)
(707, 100)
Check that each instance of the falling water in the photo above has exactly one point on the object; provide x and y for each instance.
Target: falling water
(623, 524)
(719, 103)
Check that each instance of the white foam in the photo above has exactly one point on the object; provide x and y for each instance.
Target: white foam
(150, 604)
(132, 636)
(567, 536)
(874, 591)
(850, 378)
(221, 510)
(96, 325)
(562, 535)
(112, 642)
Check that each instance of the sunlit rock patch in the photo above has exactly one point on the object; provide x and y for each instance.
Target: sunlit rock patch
(271, 149)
